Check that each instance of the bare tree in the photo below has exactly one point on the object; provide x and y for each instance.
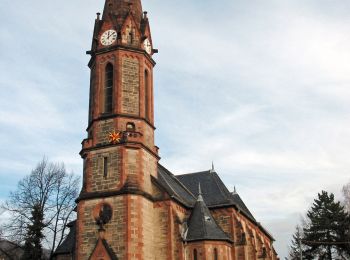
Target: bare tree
(50, 186)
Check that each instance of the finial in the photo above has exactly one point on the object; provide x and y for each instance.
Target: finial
(212, 167)
(145, 14)
(200, 198)
(98, 15)
(235, 190)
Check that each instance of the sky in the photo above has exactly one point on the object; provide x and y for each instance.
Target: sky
(261, 88)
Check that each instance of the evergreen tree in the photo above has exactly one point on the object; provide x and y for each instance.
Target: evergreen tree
(32, 247)
(327, 232)
(297, 250)
(296, 247)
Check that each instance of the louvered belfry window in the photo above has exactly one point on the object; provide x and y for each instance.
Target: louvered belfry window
(108, 106)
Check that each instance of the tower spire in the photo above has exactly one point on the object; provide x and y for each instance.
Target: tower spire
(121, 8)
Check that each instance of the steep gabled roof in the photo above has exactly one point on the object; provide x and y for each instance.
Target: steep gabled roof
(202, 226)
(68, 245)
(215, 193)
(174, 187)
(214, 190)
(241, 206)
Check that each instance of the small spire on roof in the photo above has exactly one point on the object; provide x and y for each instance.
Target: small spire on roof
(235, 190)
(212, 167)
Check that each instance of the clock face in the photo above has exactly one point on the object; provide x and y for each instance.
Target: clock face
(108, 37)
(147, 46)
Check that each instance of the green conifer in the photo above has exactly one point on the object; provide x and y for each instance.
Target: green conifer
(326, 233)
(32, 247)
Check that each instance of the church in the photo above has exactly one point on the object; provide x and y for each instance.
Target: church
(130, 206)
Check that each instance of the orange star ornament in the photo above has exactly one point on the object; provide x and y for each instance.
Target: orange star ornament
(115, 137)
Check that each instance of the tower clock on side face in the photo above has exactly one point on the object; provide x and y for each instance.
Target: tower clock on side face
(108, 37)
(147, 46)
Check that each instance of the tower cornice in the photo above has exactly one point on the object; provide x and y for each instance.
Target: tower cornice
(119, 48)
(135, 145)
(112, 116)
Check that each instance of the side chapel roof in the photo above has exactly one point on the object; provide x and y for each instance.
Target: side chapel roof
(202, 225)
(68, 245)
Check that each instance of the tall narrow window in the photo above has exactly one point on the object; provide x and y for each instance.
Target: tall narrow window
(108, 89)
(105, 167)
(216, 256)
(91, 98)
(195, 254)
(147, 96)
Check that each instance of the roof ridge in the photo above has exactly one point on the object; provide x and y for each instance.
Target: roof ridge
(190, 173)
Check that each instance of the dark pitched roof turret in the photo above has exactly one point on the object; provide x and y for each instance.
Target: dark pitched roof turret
(201, 224)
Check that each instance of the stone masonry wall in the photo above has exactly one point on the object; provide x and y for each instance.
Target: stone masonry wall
(115, 230)
(224, 219)
(99, 182)
(148, 229)
(149, 166)
(130, 86)
(102, 131)
(161, 224)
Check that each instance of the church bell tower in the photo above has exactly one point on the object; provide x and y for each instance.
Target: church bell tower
(114, 208)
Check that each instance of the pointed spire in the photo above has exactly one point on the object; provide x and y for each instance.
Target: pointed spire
(212, 167)
(235, 190)
(202, 225)
(121, 8)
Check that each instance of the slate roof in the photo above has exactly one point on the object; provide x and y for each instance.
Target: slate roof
(68, 245)
(241, 206)
(174, 187)
(10, 249)
(202, 225)
(215, 193)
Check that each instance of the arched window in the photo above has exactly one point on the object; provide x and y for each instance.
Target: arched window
(130, 127)
(216, 256)
(195, 254)
(108, 89)
(147, 96)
